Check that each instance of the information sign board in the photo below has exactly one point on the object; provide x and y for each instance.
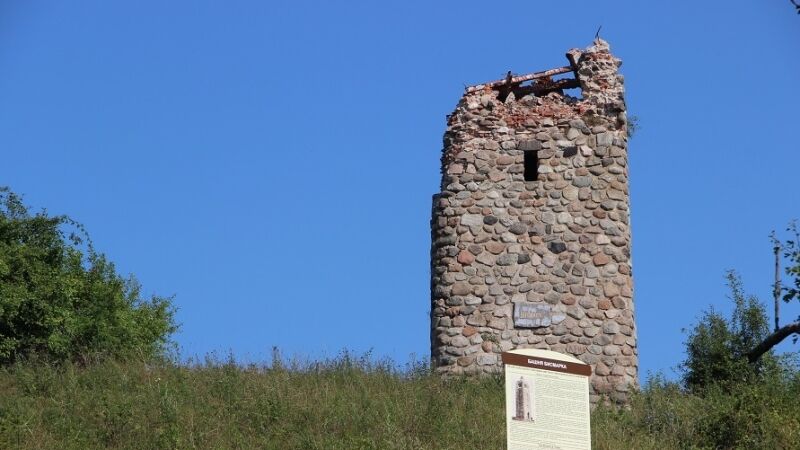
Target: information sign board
(547, 401)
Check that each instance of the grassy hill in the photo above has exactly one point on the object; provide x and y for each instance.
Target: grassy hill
(348, 403)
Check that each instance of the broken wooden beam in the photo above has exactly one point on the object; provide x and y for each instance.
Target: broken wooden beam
(519, 79)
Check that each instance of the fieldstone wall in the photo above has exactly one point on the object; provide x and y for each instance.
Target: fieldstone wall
(557, 249)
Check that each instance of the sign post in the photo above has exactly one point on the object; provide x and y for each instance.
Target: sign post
(547, 401)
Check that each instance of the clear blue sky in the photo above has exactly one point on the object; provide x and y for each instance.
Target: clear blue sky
(271, 164)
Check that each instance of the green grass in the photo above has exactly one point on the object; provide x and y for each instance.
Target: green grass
(743, 416)
(347, 403)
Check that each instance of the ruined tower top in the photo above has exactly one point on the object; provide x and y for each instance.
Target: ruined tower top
(594, 71)
(531, 231)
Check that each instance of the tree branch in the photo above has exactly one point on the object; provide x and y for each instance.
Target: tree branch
(772, 340)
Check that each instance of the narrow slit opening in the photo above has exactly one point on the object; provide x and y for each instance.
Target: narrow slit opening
(531, 166)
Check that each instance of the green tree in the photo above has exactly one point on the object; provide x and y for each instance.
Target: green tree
(62, 300)
(717, 347)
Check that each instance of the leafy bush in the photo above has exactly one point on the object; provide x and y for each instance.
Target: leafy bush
(717, 347)
(61, 300)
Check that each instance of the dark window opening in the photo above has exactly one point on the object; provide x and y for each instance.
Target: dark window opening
(531, 166)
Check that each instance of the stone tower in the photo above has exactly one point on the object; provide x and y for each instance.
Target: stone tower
(522, 402)
(531, 239)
